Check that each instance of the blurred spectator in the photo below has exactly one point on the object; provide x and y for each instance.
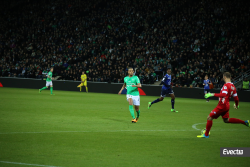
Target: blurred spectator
(194, 37)
(245, 84)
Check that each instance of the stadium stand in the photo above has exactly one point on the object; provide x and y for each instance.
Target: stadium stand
(105, 37)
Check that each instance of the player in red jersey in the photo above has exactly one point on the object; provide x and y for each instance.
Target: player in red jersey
(228, 90)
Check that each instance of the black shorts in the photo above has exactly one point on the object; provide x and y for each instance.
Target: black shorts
(165, 92)
(206, 90)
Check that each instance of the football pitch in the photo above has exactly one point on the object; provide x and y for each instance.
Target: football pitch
(76, 129)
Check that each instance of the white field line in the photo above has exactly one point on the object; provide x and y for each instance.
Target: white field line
(95, 131)
(19, 163)
(194, 125)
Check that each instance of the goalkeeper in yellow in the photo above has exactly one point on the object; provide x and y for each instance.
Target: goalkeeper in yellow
(83, 82)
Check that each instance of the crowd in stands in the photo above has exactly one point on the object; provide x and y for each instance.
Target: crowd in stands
(105, 37)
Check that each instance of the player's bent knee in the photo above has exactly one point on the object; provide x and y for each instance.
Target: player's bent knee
(226, 120)
(209, 118)
(130, 102)
(172, 96)
(136, 108)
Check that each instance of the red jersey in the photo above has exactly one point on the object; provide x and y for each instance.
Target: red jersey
(227, 91)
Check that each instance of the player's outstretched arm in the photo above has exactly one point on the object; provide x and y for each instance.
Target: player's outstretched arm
(236, 101)
(138, 85)
(209, 95)
(220, 94)
(123, 86)
(51, 77)
(163, 83)
(215, 94)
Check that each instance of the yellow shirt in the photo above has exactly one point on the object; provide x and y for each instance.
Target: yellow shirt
(84, 77)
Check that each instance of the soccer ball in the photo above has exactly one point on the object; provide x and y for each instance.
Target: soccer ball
(203, 131)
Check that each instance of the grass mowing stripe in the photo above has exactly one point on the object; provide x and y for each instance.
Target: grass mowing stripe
(73, 129)
(113, 131)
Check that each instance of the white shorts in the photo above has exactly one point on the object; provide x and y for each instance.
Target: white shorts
(49, 83)
(136, 99)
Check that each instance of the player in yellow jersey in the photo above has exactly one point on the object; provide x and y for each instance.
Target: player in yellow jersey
(83, 82)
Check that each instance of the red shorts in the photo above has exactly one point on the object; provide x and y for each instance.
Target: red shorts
(220, 111)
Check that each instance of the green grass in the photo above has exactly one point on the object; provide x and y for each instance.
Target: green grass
(78, 129)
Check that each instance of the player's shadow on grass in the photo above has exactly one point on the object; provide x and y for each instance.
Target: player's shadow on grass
(117, 120)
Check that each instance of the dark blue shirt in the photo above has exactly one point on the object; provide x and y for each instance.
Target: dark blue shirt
(206, 86)
(166, 81)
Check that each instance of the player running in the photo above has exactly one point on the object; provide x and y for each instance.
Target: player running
(83, 82)
(132, 83)
(223, 106)
(166, 89)
(206, 84)
(49, 82)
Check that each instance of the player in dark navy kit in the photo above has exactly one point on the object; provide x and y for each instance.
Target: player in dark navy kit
(165, 90)
(206, 84)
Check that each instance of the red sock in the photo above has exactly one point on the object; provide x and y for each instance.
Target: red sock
(236, 121)
(208, 127)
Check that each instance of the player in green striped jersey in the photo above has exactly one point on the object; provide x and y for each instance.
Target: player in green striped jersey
(132, 83)
(49, 82)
